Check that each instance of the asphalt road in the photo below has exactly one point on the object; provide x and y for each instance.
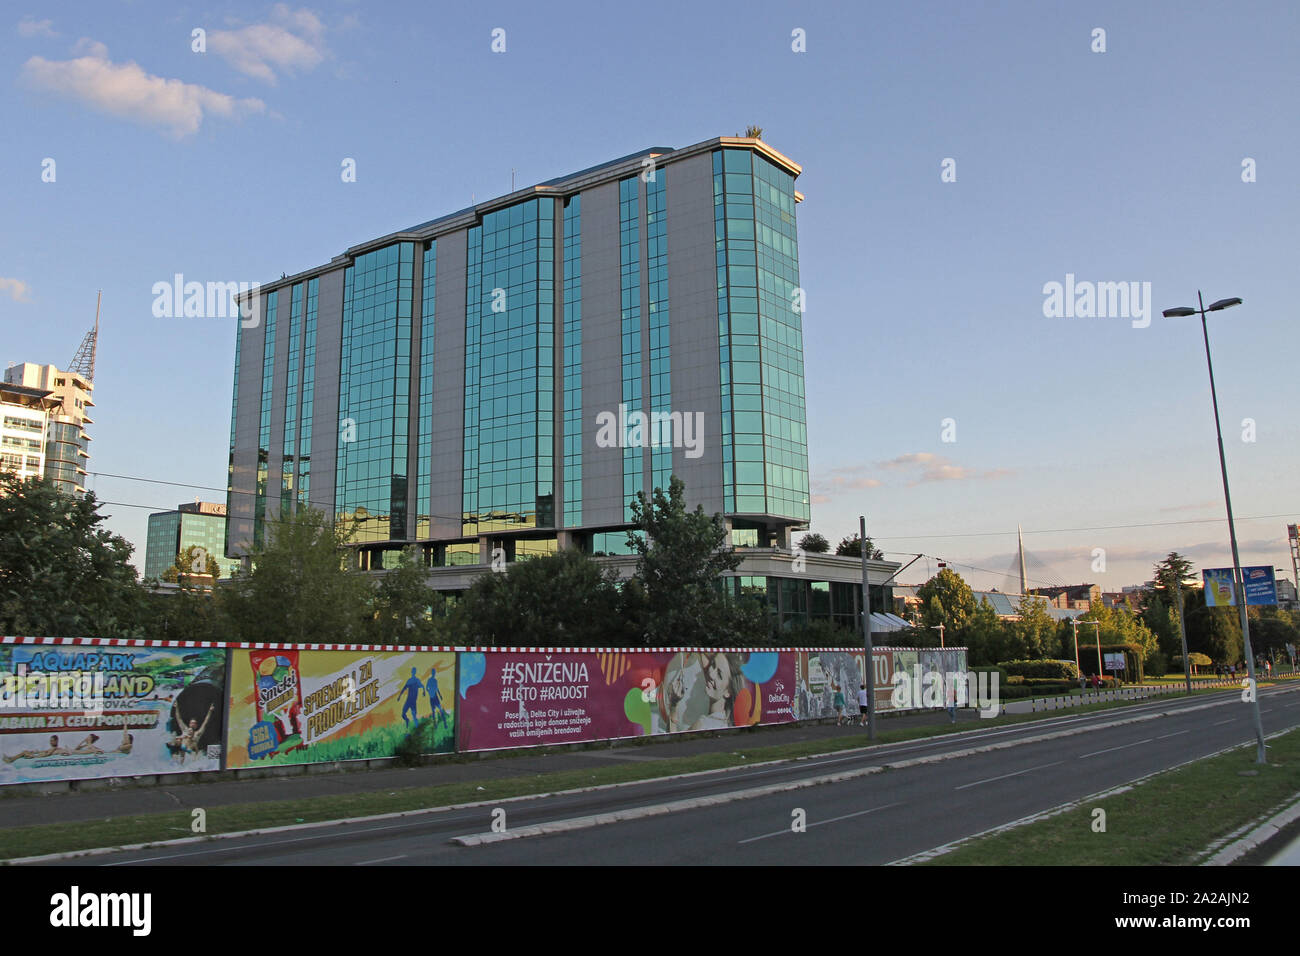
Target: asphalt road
(869, 817)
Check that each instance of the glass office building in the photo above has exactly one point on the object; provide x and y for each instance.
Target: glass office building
(201, 525)
(509, 376)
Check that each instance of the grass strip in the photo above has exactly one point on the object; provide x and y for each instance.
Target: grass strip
(1168, 820)
(231, 818)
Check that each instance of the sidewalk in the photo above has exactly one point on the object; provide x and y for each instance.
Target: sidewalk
(27, 809)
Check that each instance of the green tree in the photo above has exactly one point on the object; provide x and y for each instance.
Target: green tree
(852, 548)
(300, 589)
(404, 609)
(681, 556)
(1121, 626)
(1214, 631)
(1174, 569)
(193, 560)
(1035, 632)
(61, 574)
(948, 600)
(561, 600)
(1271, 629)
(814, 544)
(187, 614)
(988, 637)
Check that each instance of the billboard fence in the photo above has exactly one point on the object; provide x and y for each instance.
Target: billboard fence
(85, 708)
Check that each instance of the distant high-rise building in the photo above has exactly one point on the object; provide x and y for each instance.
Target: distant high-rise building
(24, 419)
(200, 524)
(66, 444)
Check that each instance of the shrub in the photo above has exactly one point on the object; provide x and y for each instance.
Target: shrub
(1157, 664)
(1042, 685)
(1055, 670)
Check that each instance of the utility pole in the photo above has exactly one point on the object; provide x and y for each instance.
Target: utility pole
(1182, 632)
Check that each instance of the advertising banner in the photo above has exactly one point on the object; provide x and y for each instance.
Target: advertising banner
(78, 711)
(308, 706)
(1114, 662)
(821, 675)
(522, 699)
(1261, 586)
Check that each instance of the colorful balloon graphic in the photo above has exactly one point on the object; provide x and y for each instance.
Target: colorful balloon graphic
(637, 708)
(473, 665)
(760, 667)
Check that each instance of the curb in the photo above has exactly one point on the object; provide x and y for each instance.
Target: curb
(1260, 835)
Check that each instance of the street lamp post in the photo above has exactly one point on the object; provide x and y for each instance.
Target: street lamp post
(1101, 671)
(1182, 633)
(939, 628)
(1183, 311)
(869, 663)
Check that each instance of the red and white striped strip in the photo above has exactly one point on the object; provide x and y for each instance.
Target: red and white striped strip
(370, 648)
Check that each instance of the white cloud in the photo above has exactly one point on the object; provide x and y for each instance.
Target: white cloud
(126, 90)
(27, 27)
(926, 466)
(295, 41)
(18, 290)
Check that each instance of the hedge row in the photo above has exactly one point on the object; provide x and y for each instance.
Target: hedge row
(1051, 670)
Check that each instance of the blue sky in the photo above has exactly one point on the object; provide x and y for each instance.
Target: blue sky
(925, 298)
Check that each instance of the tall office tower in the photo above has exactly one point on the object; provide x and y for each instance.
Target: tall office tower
(507, 378)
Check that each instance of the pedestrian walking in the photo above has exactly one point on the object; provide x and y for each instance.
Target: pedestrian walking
(862, 705)
(839, 707)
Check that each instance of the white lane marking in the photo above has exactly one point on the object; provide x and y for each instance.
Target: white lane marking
(847, 816)
(1113, 749)
(1219, 723)
(249, 846)
(382, 859)
(1004, 776)
(1174, 734)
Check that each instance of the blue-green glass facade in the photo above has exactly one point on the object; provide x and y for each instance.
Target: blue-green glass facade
(661, 400)
(289, 450)
(573, 362)
(308, 392)
(629, 236)
(509, 370)
(374, 406)
(428, 297)
(760, 337)
(172, 532)
(234, 414)
(264, 422)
